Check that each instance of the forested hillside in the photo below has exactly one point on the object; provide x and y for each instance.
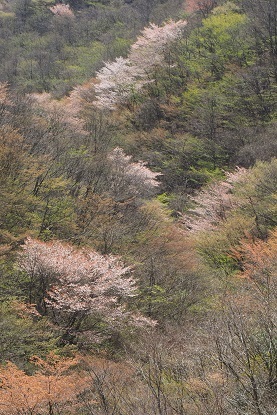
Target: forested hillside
(138, 177)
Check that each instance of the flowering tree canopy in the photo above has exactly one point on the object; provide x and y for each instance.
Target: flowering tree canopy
(79, 280)
(212, 204)
(117, 80)
(129, 178)
(57, 112)
(120, 79)
(150, 46)
(62, 10)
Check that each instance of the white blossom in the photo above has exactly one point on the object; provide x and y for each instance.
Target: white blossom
(212, 204)
(148, 50)
(129, 178)
(59, 111)
(62, 10)
(83, 280)
(119, 80)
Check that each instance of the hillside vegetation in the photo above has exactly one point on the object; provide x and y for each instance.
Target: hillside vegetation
(138, 177)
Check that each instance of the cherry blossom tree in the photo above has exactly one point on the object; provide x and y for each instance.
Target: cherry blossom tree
(129, 178)
(75, 283)
(149, 49)
(81, 97)
(123, 78)
(117, 81)
(57, 113)
(62, 10)
(213, 203)
(63, 22)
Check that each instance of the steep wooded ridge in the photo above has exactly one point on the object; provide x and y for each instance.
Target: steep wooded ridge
(138, 177)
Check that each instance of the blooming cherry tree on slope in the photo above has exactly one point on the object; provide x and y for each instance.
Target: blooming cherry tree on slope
(148, 50)
(62, 10)
(58, 112)
(79, 281)
(214, 202)
(120, 79)
(130, 178)
(117, 80)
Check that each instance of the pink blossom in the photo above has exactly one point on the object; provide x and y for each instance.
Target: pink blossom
(83, 280)
(129, 177)
(213, 203)
(62, 10)
(119, 80)
(148, 50)
(58, 111)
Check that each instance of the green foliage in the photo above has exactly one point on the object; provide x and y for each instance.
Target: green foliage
(201, 113)
(254, 216)
(153, 300)
(24, 334)
(221, 41)
(76, 48)
(259, 197)
(163, 198)
(212, 106)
